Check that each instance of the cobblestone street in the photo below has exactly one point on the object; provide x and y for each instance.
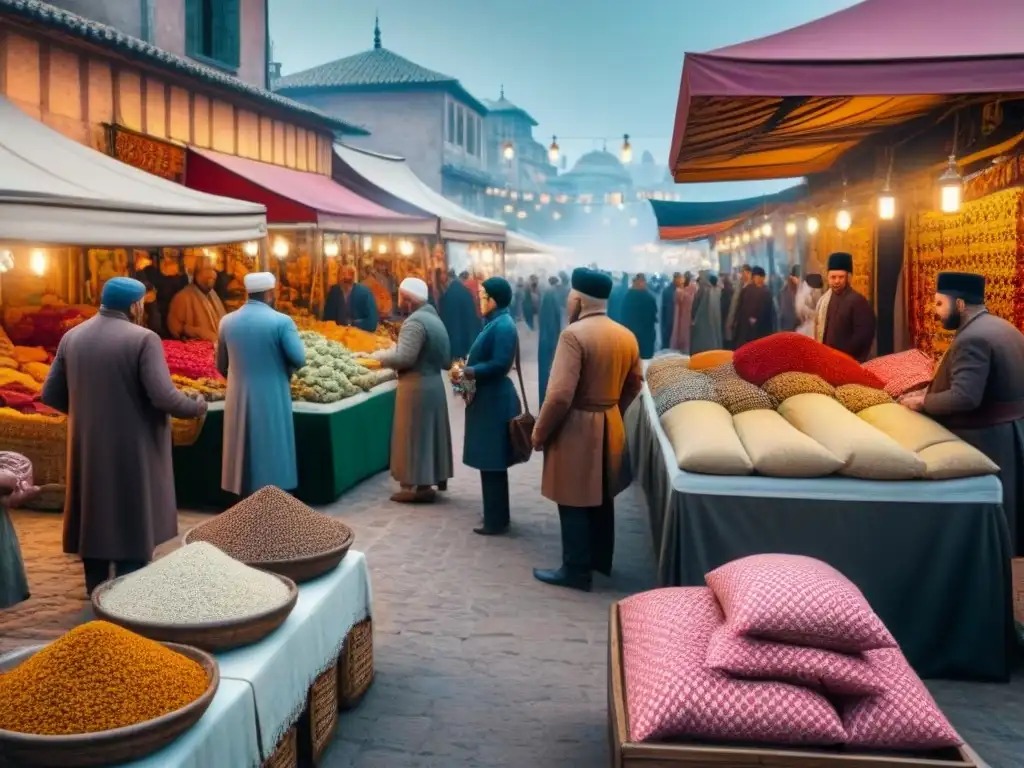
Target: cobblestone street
(477, 663)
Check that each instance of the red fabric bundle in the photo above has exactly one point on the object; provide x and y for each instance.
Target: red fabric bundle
(760, 360)
(902, 372)
(45, 327)
(23, 400)
(191, 359)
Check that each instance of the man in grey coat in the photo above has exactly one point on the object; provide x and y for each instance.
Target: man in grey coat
(421, 438)
(978, 389)
(111, 379)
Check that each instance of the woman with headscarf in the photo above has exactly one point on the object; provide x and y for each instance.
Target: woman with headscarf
(488, 443)
(683, 323)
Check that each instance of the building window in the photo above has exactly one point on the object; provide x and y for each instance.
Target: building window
(451, 122)
(471, 135)
(212, 31)
(460, 138)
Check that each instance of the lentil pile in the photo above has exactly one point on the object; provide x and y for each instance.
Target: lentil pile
(95, 678)
(194, 585)
(272, 525)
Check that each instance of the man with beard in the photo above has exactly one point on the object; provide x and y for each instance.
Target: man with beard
(196, 309)
(978, 389)
(755, 311)
(668, 309)
(349, 303)
(845, 320)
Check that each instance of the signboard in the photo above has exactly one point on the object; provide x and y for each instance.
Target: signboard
(161, 158)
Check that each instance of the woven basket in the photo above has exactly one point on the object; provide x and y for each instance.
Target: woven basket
(286, 754)
(185, 432)
(319, 722)
(42, 440)
(49, 499)
(355, 665)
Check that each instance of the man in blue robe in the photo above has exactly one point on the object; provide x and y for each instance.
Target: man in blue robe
(640, 315)
(349, 303)
(550, 325)
(460, 318)
(617, 298)
(258, 351)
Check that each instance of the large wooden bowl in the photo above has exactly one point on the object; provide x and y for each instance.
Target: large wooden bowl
(298, 569)
(212, 636)
(119, 745)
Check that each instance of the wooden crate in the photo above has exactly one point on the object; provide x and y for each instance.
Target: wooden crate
(355, 665)
(319, 721)
(629, 754)
(286, 754)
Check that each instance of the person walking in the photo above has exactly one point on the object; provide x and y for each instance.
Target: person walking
(421, 437)
(682, 325)
(488, 444)
(531, 301)
(110, 377)
(460, 318)
(640, 316)
(350, 303)
(258, 351)
(788, 319)
(755, 311)
(707, 317)
(549, 325)
(668, 310)
(596, 375)
(617, 297)
(746, 276)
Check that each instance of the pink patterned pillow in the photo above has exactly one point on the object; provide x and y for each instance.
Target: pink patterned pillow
(905, 716)
(797, 599)
(832, 672)
(670, 692)
(903, 372)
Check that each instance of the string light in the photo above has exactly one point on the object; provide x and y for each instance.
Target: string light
(790, 228)
(746, 238)
(553, 151)
(281, 248)
(508, 151)
(331, 248)
(251, 248)
(406, 248)
(521, 215)
(509, 208)
(766, 230)
(812, 225)
(382, 248)
(37, 262)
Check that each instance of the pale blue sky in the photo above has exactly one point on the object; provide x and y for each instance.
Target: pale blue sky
(610, 67)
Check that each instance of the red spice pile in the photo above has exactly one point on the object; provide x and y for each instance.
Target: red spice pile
(760, 360)
(191, 359)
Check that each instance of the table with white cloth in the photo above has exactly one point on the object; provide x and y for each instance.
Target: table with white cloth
(932, 557)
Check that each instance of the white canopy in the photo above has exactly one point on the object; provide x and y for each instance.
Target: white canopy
(55, 191)
(393, 176)
(517, 242)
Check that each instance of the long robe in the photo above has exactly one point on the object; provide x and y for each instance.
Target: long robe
(668, 314)
(615, 300)
(788, 320)
(111, 378)
(682, 325)
(846, 322)
(194, 314)
(13, 583)
(549, 324)
(487, 443)
(730, 318)
(755, 314)
(258, 351)
(458, 313)
(640, 315)
(727, 295)
(421, 435)
(358, 309)
(707, 320)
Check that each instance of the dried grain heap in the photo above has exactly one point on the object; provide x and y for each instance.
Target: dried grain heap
(195, 585)
(272, 525)
(95, 678)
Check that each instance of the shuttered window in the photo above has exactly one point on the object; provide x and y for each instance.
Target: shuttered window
(213, 30)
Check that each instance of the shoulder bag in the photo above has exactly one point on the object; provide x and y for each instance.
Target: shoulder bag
(521, 427)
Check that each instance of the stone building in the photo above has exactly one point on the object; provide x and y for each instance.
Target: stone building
(509, 131)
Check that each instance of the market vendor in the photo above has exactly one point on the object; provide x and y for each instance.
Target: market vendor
(845, 320)
(350, 303)
(978, 389)
(196, 310)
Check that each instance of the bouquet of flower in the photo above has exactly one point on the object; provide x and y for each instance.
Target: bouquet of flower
(461, 386)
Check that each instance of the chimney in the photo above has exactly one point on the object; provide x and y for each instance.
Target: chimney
(275, 72)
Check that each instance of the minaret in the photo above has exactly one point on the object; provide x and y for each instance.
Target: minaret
(376, 33)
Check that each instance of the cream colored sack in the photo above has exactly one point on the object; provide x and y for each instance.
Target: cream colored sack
(704, 439)
(778, 449)
(948, 461)
(912, 430)
(866, 452)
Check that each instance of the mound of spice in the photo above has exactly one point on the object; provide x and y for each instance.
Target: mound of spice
(272, 525)
(95, 678)
(194, 585)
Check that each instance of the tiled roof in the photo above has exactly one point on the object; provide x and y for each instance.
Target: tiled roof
(71, 24)
(504, 105)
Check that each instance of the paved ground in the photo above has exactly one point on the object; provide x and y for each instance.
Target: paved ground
(477, 664)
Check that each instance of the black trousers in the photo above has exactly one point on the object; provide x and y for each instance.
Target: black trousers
(497, 511)
(98, 571)
(588, 537)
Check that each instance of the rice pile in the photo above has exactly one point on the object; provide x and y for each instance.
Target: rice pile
(194, 585)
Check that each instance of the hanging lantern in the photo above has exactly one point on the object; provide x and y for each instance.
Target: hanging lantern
(37, 262)
(627, 150)
(281, 248)
(367, 243)
(886, 204)
(406, 248)
(251, 248)
(844, 219)
(331, 248)
(766, 229)
(746, 238)
(508, 151)
(545, 199)
(951, 188)
(553, 151)
(790, 228)
(812, 225)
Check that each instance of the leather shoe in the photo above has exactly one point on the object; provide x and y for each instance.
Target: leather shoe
(414, 497)
(485, 531)
(564, 578)
(442, 486)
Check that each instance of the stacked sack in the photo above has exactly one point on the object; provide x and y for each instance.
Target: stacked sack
(776, 649)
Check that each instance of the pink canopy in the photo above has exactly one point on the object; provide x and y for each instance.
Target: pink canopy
(790, 104)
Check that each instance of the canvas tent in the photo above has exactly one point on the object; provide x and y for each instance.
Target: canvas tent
(389, 181)
(520, 243)
(791, 104)
(55, 191)
(687, 221)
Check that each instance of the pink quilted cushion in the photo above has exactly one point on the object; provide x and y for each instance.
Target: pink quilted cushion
(670, 692)
(905, 716)
(747, 657)
(765, 358)
(902, 372)
(797, 599)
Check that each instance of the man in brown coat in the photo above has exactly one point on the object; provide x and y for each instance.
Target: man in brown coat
(596, 374)
(111, 379)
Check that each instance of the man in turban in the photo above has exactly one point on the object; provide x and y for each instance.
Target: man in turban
(258, 351)
(978, 389)
(595, 376)
(350, 303)
(845, 319)
(421, 436)
(755, 311)
(111, 378)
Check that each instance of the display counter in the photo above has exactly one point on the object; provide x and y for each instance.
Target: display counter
(337, 446)
(932, 557)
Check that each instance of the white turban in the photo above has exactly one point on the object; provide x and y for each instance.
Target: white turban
(258, 282)
(414, 288)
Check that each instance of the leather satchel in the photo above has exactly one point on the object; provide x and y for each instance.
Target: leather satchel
(521, 427)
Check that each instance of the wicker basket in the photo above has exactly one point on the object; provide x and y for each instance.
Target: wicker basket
(42, 440)
(286, 754)
(355, 665)
(49, 499)
(185, 432)
(319, 722)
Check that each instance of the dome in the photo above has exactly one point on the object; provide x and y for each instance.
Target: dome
(601, 163)
(647, 158)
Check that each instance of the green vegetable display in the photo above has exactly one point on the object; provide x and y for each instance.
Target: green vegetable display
(330, 374)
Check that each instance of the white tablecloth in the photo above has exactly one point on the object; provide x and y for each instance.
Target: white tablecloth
(341, 405)
(281, 669)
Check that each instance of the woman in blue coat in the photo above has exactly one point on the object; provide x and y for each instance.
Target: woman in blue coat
(488, 446)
